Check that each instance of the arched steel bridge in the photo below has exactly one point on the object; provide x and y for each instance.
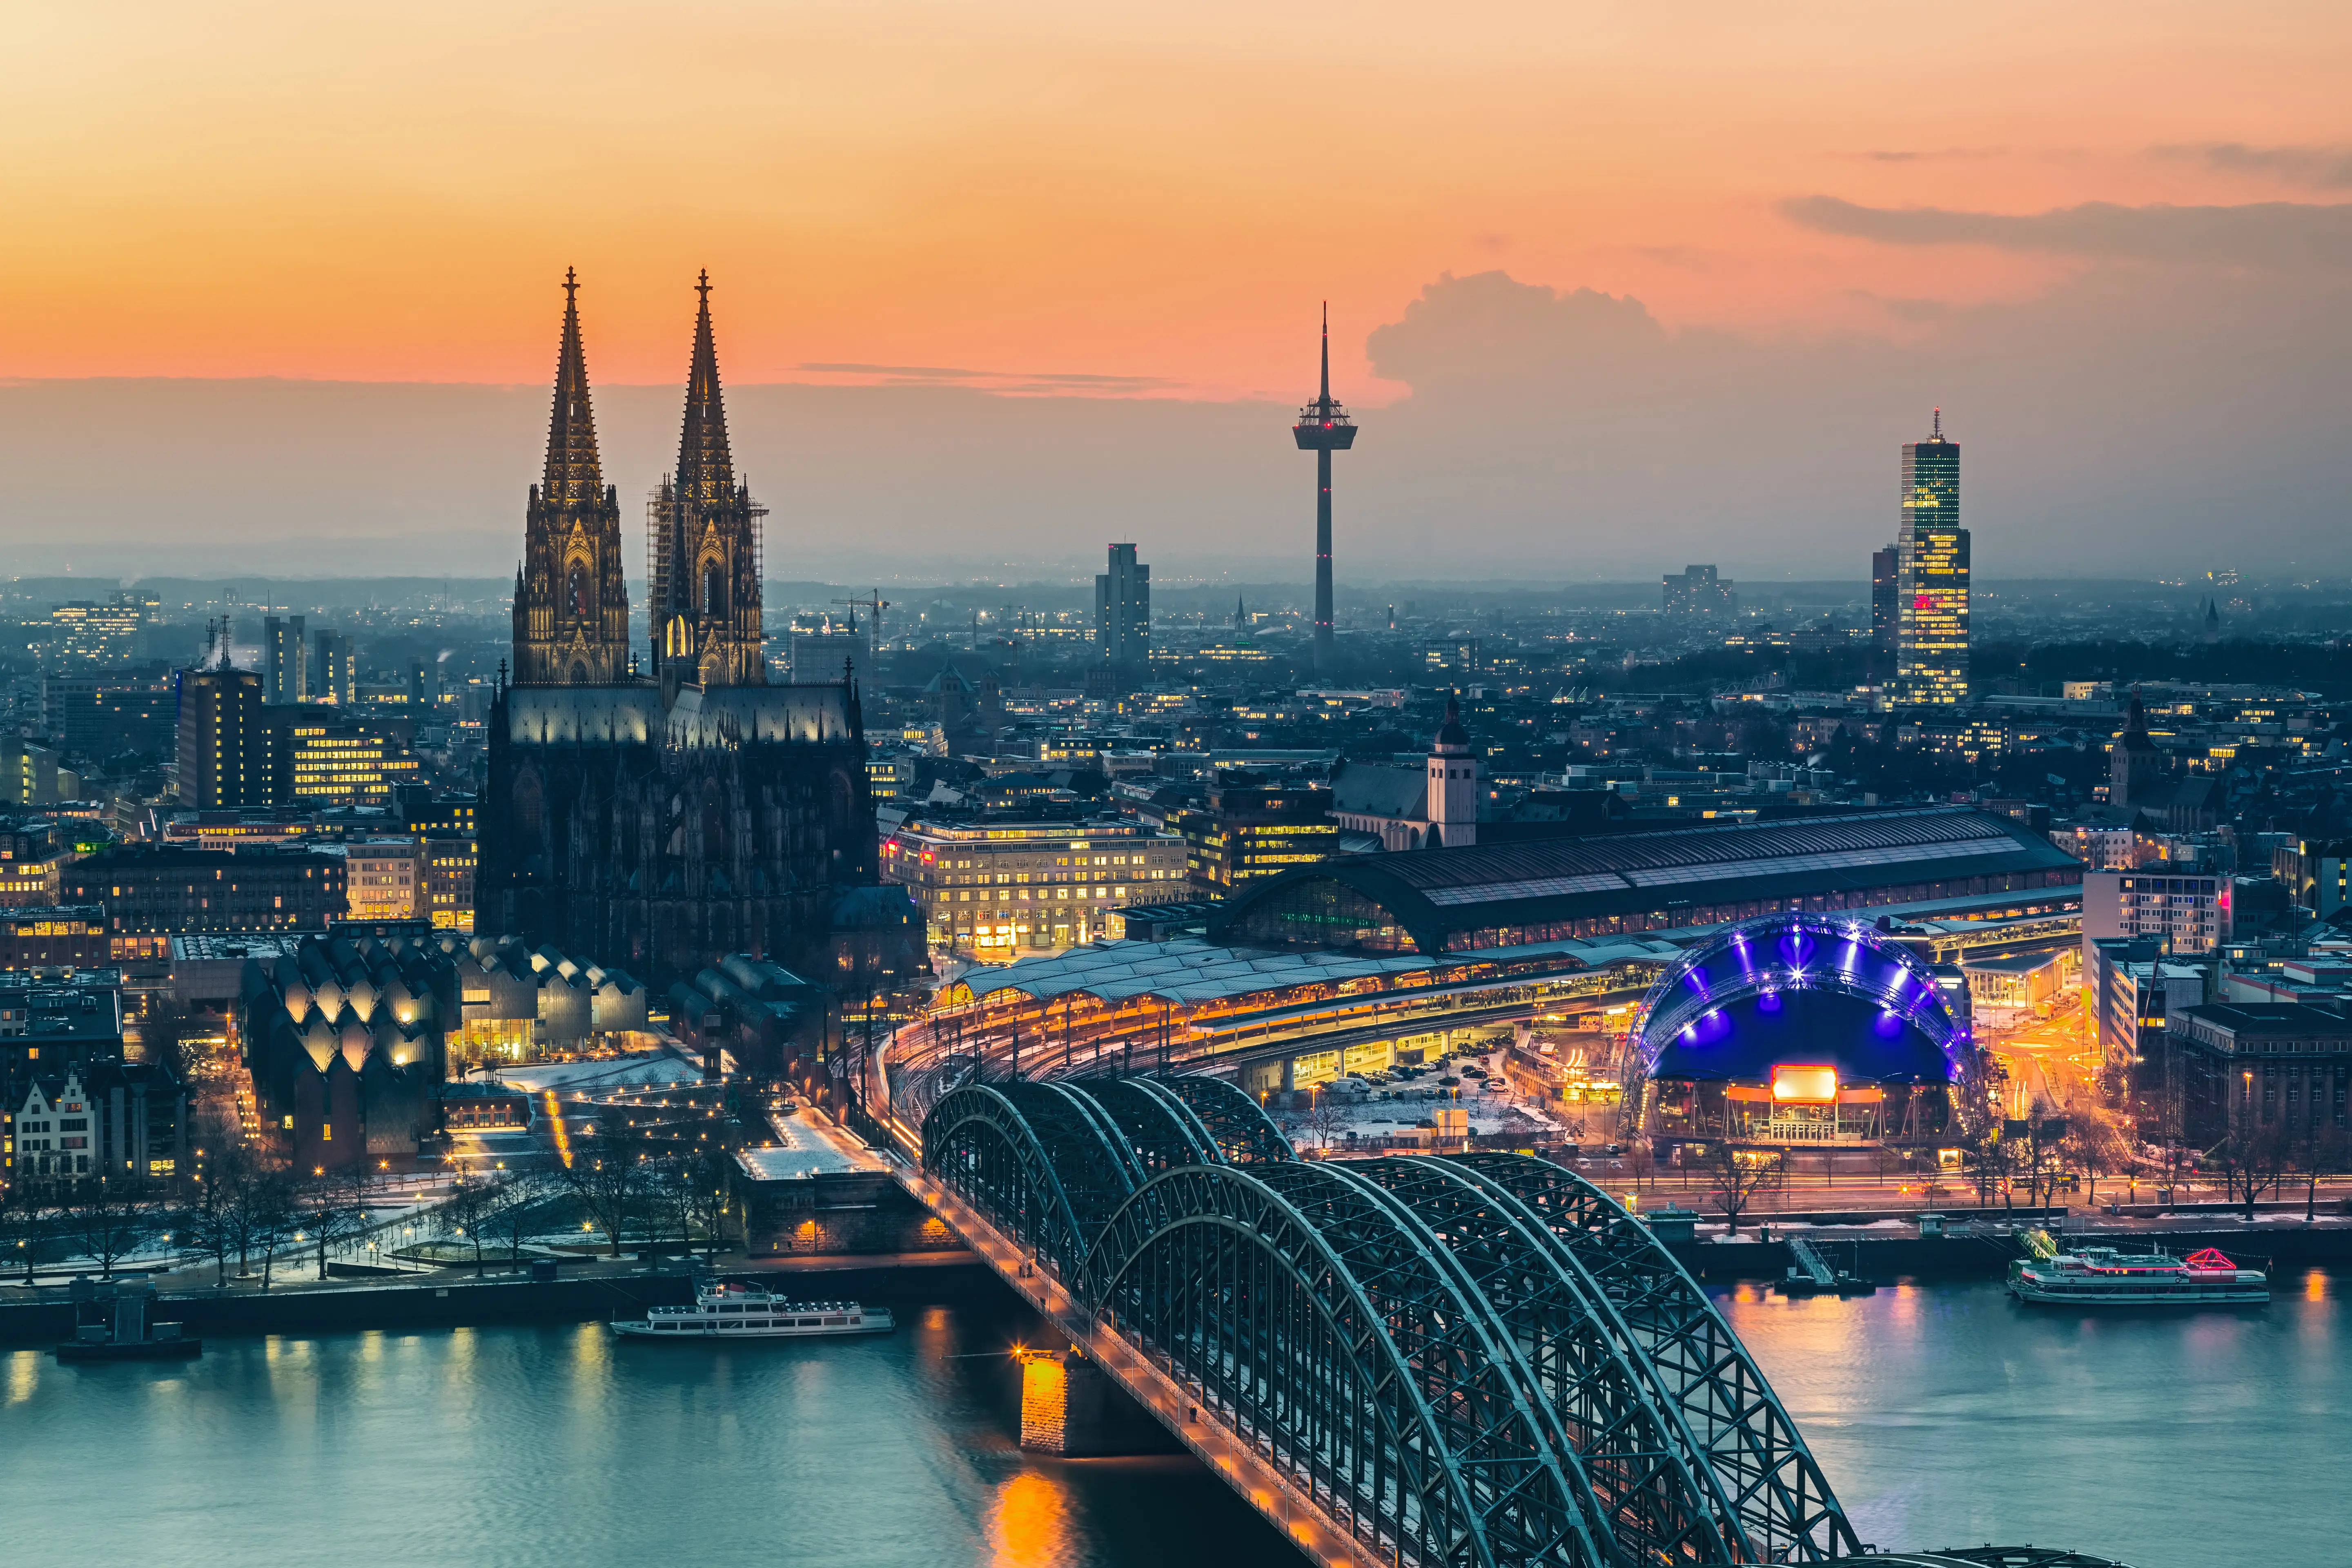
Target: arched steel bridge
(1477, 1361)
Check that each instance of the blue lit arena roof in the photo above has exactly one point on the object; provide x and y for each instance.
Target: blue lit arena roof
(1802, 988)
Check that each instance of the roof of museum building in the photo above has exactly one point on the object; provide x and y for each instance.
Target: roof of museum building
(1432, 894)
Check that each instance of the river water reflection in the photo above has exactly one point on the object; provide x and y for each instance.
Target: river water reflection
(1943, 1415)
(1950, 1415)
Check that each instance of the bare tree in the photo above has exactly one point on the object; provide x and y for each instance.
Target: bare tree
(1988, 1157)
(111, 1217)
(608, 1176)
(469, 1211)
(1323, 1118)
(1735, 1175)
(521, 1201)
(2324, 1149)
(2096, 1143)
(333, 1207)
(266, 1219)
(2037, 1156)
(710, 1197)
(2251, 1162)
(28, 1213)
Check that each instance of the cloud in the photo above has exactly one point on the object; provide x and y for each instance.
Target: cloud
(2320, 168)
(2281, 236)
(2132, 419)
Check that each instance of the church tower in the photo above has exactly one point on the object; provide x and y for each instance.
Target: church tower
(705, 568)
(1452, 804)
(572, 598)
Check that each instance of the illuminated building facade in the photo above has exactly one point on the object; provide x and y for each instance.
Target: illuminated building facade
(222, 758)
(85, 633)
(1253, 830)
(172, 887)
(1931, 655)
(987, 889)
(286, 660)
(449, 881)
(385, 880)
(342, 763)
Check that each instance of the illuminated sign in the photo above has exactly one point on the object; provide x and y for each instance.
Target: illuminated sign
(1793, 1085)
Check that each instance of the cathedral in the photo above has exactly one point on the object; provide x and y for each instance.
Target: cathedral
(657, 818)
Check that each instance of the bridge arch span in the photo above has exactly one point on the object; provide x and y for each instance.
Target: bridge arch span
(1784, 1503)
(1326, 1322)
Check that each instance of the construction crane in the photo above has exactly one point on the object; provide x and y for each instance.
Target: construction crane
(873, 603)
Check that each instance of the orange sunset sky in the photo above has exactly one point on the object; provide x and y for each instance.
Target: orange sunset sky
(1022, 197)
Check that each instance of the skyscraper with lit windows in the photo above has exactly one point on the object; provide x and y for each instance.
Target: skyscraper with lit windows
(1931, 649)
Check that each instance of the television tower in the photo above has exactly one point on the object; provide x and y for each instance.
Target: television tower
(1324, 428)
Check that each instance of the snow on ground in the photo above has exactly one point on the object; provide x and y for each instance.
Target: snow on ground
(642, 1069)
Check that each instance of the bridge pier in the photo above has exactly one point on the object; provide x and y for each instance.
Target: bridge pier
(1069, 1407)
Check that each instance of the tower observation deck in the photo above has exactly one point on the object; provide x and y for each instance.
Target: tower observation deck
(1324, 428)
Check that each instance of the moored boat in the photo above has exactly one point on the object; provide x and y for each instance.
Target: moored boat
(738, 1312)
(2107, 1277)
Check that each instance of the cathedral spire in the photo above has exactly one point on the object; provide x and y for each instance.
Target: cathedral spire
(705, 470)
(574, 477)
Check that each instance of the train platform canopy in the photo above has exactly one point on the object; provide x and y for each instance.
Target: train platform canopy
(1455, 902)
(1186, 971)
(1182, 970)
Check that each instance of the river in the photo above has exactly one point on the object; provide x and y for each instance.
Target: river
(1942, 1414)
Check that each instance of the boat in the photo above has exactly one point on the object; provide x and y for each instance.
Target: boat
(2107, 1277)
(114, 1324)
(723, 1311)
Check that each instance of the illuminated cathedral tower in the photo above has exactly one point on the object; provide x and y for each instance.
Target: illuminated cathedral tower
(571, 599)
(704, 535)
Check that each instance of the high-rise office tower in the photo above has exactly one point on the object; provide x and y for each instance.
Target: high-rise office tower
(1123, 609)
(1885, 613)
(222, 757)
(1698, 591)
(286, 673)
(705, 607)
(571, 601)
(1931, 652)
(1324, 428)
(336, 677)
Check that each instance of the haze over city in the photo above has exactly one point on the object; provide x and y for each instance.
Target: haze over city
(1625, 290)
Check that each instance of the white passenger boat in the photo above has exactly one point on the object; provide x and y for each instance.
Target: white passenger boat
(738, 1312)
(2103, 1277)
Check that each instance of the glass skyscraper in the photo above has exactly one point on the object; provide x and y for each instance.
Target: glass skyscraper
(1931, 649)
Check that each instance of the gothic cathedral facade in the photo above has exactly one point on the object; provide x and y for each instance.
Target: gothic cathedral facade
(658, 820)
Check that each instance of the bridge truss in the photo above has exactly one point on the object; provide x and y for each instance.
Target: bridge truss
(1479, 1361)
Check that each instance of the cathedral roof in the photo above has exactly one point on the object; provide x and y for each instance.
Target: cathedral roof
(574, 477)
(633, 715)
(705, 469)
